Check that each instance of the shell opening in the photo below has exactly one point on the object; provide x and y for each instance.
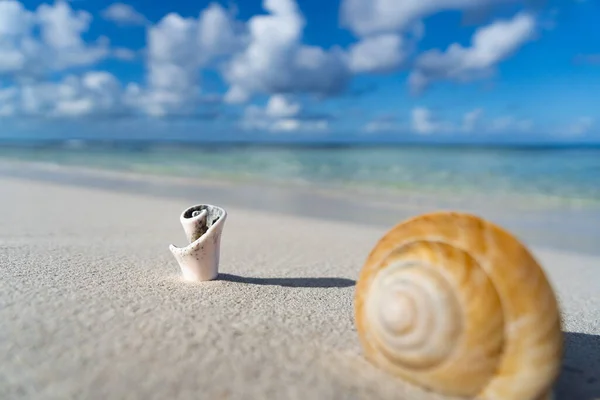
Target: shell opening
(205, 216)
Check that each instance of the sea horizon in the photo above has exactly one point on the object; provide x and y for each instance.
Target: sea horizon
(324, 142)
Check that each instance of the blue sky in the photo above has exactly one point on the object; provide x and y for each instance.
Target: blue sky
(440, 70)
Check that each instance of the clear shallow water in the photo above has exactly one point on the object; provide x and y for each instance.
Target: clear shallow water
(566, 175)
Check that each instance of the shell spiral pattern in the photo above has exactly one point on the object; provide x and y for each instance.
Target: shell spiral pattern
(457, 305)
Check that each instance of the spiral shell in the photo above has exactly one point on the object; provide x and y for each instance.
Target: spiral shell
(455, 304)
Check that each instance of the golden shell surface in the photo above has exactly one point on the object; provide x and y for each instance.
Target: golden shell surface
(455, 304)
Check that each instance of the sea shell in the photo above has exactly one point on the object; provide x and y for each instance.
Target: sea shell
(203, 226)
(457, 305)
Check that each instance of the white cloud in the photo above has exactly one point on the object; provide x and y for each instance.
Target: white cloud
(172, 66)
(15, 20)
(280, 107)
(61, 31)
(294, 124)
(236, 95)
(60, 46)
(489, 46)
(263, 56)
(218, 33)
(17, 47)
(275, 61)
(369, 17)
(381, 53)
(95, 93)
(386, 28)
(280, 115)
(177, 48)
(123, 14)
(8, 104)
(424, 122)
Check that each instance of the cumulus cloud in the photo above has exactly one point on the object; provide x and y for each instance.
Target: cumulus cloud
(489, 46)
(275, 61)
(123, 14)
(380, 53)
(60, 45)
(177, 48)
(61, 31)
(369, 17)
(388, 31)
(8, 103)
(266, 55)
(95, 93)
(17, 47)
(424, 122)
(282, 115)
(219, 34)
(172, 66)
(280, 107)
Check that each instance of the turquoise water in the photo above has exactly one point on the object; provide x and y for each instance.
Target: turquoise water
(564, 174)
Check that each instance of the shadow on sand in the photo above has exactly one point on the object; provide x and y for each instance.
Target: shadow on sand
(580, 375)
(290, 282)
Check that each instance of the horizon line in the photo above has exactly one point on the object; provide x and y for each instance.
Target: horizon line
(299, 143)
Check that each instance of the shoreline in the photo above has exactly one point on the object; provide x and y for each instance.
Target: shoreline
(371, 191)
(372, 194)
(566, 229)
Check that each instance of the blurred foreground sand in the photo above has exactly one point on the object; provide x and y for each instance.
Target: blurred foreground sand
(91, 305)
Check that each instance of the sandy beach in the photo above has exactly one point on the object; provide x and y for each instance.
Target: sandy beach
(92, 305)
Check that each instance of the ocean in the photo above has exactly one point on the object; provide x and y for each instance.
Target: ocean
(567, 175)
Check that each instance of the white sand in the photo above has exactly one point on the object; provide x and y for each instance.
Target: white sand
(91, 305)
